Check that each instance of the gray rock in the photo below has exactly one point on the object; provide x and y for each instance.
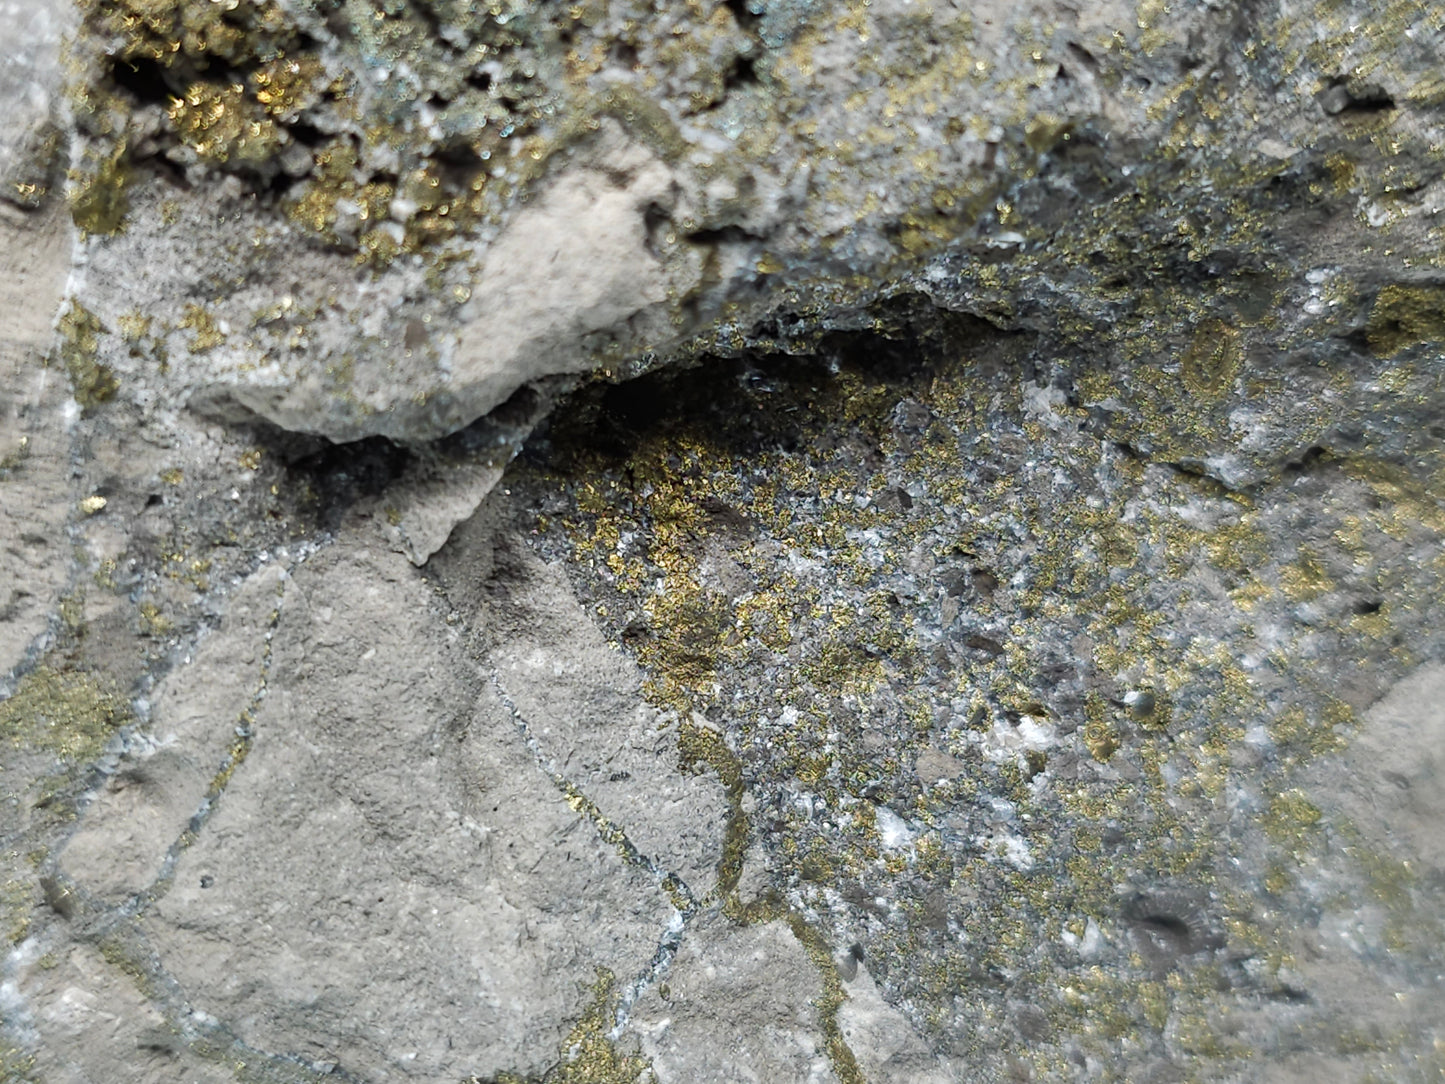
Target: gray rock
(31, 141)
(533, 193)
(735, 1007)
(34, 256)
(581, 702)
(388, 873)
(1390, 784)
(882, 1039)
(90, 1023)
(121, 847)
(876, 543)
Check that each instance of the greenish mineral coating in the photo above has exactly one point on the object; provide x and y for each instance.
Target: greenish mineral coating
(13, 461)
(68, 714)
(699, 749)
(93, 381)
(17, 902)
(487, 77)
(1404, 316)
(68, 717)
(97, 192)
(16, 1066)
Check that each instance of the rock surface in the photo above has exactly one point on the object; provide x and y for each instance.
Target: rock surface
(364, 222)
(742, 542)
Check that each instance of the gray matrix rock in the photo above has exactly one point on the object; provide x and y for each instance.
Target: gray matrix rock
(721, 542)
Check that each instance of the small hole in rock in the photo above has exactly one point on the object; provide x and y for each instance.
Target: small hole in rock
(1175, 927)
(625, 55)
(145, 79)
(308, 135)
(742, 12)
(742, 72)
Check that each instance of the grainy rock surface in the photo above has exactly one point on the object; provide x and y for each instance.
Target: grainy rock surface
(766, 541)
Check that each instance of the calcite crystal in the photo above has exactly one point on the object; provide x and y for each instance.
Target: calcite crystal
(765, 540)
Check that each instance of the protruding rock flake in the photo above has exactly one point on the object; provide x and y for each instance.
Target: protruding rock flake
(655, 543)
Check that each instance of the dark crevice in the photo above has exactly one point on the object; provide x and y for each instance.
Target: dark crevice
(305, 43)
(456, 154)
(1083, 56)
(1291, 994)
(1358, 339)
(170, 172)
(1169, 926)
(430, 20)
(722, 235)
(503, 425)
(339, 475)
(655, 219)
(1309, 460)
(760, 401)
(625, 55)
(1380, 104)
(742, 73)
(457, 165)
(1166, 924)
(745, 16)
(143, 79)
(280, 184)
(1186, 467)
(330, 478)
(308, 135)
(1340, 98)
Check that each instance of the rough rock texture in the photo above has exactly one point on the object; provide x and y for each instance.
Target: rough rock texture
(290, 911)
(765, 980)
(746, 542)
(366, 219)
(1059, 738)
(32, 269)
